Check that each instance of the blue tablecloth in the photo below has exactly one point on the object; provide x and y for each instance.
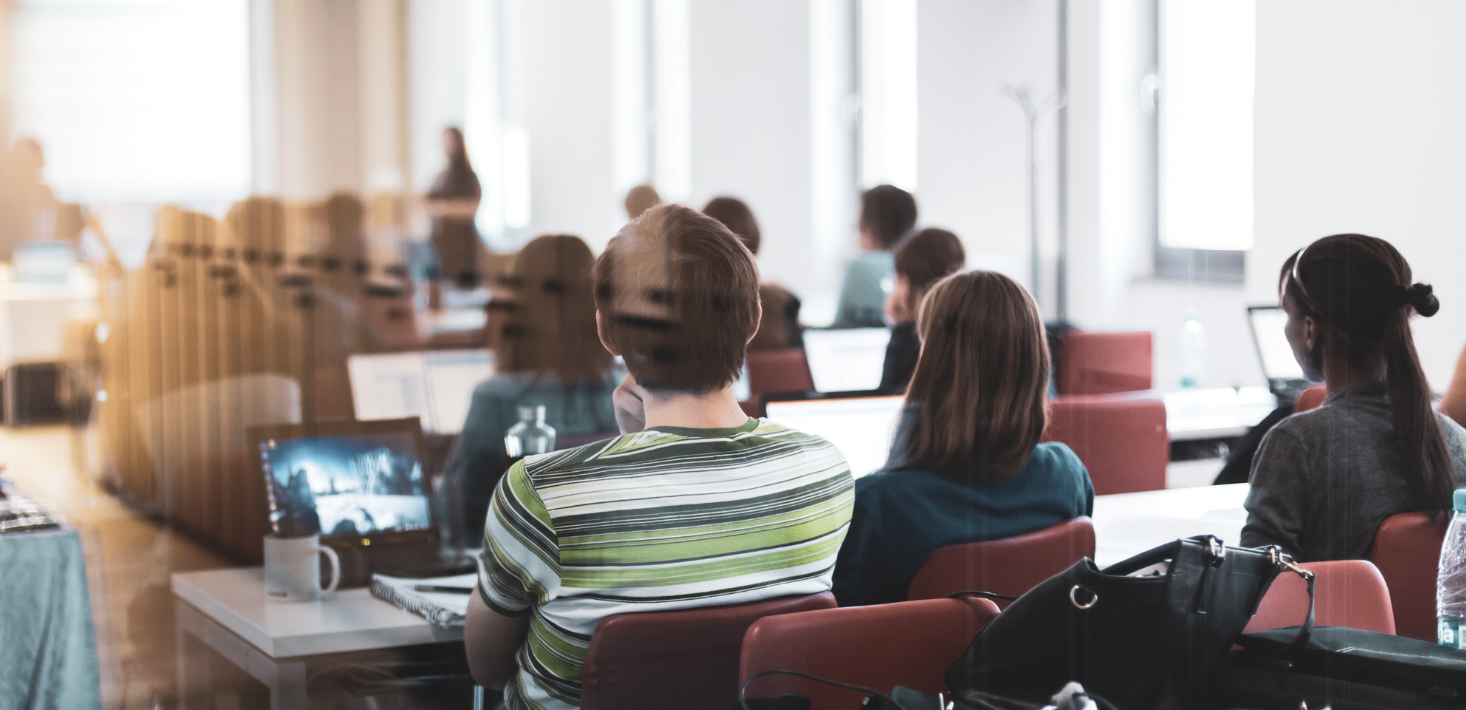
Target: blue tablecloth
(48, 643)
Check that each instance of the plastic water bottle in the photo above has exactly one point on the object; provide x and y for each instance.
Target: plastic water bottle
(531, 435)
(1450, 585)
(1193, 352)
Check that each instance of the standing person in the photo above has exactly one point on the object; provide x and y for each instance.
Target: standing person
(452, 203)
(696, 505)
(966, 464)
(780, 326)
(887, 213)
(921, 261)
(1323, 480)
(546, 353)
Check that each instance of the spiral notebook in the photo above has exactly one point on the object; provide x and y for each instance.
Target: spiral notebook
(442, 609)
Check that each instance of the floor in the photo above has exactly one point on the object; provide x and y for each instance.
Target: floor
(129, 558)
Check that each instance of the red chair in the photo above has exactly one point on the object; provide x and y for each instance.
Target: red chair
(1407, 551)
(775, 371)
(1346, 593)
(879, 647)
(1010, 566)
(1104, 363)
(682, 659)
(1123, 442)
(1309, 399)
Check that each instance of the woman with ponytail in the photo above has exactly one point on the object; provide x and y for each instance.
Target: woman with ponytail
(1324, 480)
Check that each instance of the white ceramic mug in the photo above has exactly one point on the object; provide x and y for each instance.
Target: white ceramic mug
(293, 572)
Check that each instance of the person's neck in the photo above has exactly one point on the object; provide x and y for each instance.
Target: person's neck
(714, 410)
(1339, 373)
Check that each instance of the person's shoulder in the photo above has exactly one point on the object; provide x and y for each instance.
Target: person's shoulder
(1054, 462)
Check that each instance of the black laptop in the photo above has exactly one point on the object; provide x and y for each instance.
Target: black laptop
(1284, 375)
(361, 486)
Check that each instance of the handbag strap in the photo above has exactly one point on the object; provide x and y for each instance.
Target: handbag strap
(1305, 632)
(984, 595)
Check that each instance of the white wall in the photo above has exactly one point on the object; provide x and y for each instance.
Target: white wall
(1359, 130)
(972, 155)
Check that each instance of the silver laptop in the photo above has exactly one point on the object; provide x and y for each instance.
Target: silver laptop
(846, 360)
(1284, 375)
(860, 425)
(435, 386)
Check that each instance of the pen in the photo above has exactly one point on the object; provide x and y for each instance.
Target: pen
(441, 590)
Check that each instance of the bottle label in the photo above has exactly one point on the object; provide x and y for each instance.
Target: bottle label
(1449, 632)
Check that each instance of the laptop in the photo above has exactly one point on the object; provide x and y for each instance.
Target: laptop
(1284, 375)
(860, 424)
(359, 485)
(846, 359)
(435, 386)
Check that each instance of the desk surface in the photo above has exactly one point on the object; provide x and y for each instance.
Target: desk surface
(1216, 413)
(1126, 524)
(351, 620)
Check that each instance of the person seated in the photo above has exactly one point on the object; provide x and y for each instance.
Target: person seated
(695, 505)
(779, 329)
(887, 213)
(1323, 480)
(546, 353)
(640, 199)
(926, 258)
(1453, 404)
(966, 464)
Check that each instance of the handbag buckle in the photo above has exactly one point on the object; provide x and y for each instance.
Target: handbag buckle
(1074, 597)
(1217, 548)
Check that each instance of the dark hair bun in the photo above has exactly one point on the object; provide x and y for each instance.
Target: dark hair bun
(1422, 298)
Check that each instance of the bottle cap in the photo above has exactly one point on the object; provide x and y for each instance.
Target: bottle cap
(1458, 500)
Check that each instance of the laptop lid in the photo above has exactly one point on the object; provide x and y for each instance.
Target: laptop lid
(1284, 374)
(436, 385)
(356, 484)
(860, 424)
(846, 359)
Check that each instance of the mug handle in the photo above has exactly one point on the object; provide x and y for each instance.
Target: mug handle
(335, 568)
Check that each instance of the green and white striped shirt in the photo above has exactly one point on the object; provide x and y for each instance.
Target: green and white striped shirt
(664, 519)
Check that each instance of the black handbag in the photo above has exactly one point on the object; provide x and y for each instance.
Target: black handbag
(1144, 633)
(1340, 668)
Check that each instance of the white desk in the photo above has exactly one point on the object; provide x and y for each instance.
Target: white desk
(33, 318)
(225, 610)
(1221, 413)
(1126, 524)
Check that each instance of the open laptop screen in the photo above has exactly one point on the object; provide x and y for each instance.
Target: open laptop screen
(435, 386)
(344, 479)
(861, 427)
(846, 360)
(1276, 354)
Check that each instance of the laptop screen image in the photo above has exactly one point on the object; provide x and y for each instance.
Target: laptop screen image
(342, 483)
(861, 427)
(846, 360)
(1276, 354)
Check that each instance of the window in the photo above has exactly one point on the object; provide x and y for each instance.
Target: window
(887, 83)
(1207, 58)
(136, 100)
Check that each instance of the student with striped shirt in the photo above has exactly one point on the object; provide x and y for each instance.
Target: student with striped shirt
(694, 505)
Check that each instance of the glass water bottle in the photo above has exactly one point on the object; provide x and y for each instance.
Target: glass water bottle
(531, 435)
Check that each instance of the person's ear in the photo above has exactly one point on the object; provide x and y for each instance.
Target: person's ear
(1311, 333)
(601, 333)
(758, 319)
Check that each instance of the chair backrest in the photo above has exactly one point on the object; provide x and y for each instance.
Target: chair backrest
(1010, 566)
(778, 371)
(1346, 592)
(1407, 551)
(1123, 442)
(682, 659)
(333, 394)
(1104, 363)
(909, 644)
(1309, 399)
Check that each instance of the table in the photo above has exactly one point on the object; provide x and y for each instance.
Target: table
(279, 644)
(1223, 413)
(48, 660)
(33, 318)
(1126, 524)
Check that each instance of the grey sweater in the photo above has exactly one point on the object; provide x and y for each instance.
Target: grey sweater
(1323, 481)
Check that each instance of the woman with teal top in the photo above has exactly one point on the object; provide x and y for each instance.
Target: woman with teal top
(967, 465)
(547, 354)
